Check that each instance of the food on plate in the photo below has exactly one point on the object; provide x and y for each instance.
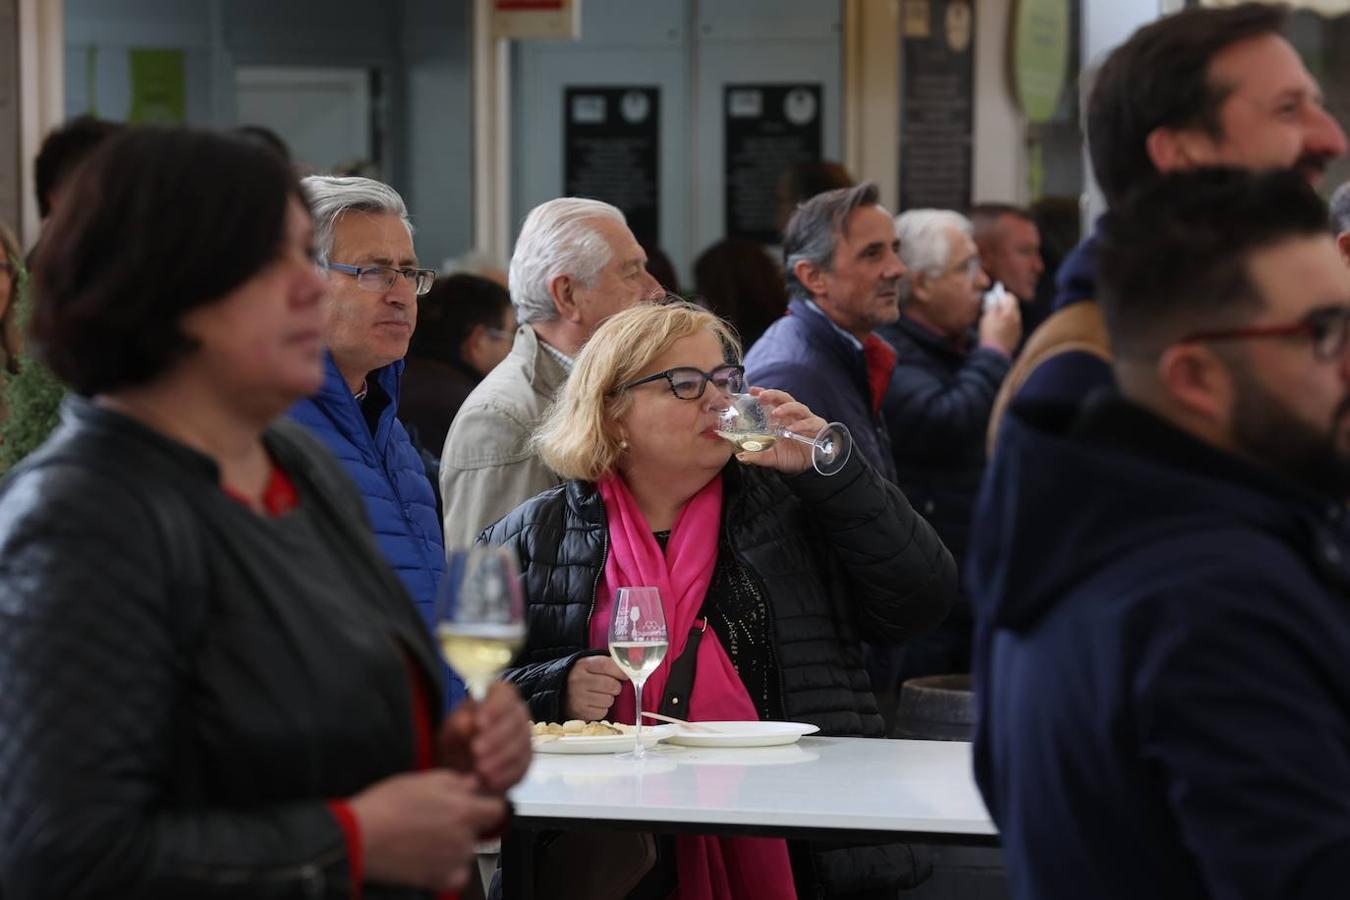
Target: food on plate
(578, 728)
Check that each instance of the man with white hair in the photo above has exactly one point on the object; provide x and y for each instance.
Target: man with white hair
(364, 239)
(1340, 219)
(947, 373)
(575, 265)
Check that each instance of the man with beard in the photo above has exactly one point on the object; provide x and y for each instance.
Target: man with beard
(1203, 87)
(1163, 630)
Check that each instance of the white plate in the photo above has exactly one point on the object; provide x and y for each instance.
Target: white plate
(743, 734)
(605, 743)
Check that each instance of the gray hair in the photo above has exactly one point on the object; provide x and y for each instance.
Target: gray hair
(1340, 209)
(330, 196)
(558, 238)
(812, 232)
(925, 242)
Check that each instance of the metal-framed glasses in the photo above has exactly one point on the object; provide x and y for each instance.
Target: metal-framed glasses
(1328, 330)
(688, 383)
(383, 278)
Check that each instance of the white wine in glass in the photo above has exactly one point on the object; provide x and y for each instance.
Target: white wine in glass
(745, 423)
(480, 614)
(638, 643)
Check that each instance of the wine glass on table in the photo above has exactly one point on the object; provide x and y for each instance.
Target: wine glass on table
(638, 642)
(480, 614)
(746, 424)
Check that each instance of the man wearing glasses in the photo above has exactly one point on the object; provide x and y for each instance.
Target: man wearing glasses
(950, 360)
(1163, 626)
(364, 241)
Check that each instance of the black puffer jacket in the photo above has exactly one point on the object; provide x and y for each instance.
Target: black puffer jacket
(837, 558)
(184, 684)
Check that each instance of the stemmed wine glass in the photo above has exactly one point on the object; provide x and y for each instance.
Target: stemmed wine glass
(480, 614)
(747, 425)
(638, 642)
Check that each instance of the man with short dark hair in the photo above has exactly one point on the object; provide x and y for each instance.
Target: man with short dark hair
(1010, 252)
(1163, 627)
(843, 274)
(62, 151)
(1206, 86)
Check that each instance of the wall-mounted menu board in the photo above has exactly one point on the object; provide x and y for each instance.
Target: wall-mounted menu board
(610, 137)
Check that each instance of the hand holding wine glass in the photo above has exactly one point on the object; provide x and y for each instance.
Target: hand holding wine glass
(638, 642)
(480, 614)
(772, 429)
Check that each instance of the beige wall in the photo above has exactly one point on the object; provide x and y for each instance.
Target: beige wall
(41, 86)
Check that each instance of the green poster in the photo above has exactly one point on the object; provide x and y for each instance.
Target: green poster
(1040, 56)
(158, 87)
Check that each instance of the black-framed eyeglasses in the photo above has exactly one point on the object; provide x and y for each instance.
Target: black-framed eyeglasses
(383, 278)
(688, 383)
(1328, 329)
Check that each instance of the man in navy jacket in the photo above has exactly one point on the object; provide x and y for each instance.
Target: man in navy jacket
(843, 274)
(1161, 580)
(364, 239)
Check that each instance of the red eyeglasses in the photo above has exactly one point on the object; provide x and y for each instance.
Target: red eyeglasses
(1328, 329)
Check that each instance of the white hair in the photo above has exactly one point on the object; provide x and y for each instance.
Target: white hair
(558, 238)
(925, 242)
(1340, 209)
(330, 196)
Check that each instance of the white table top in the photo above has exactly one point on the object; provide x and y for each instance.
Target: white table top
(918, 787)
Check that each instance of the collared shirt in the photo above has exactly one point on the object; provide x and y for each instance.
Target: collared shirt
(565, 361)
(857, 344)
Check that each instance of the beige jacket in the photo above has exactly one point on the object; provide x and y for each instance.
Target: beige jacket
(487, 467)
(1076, 328)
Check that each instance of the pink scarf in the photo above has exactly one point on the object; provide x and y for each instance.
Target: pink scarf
(710, 868)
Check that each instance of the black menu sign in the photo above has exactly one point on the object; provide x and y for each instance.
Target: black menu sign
(937, 103)
(768, 127)
(611, 137)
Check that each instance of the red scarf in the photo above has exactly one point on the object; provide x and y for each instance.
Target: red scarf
(710, 868)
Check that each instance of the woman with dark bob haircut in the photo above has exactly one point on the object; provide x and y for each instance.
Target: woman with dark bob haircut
(213, 686)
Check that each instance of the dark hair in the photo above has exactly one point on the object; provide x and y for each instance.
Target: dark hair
(740, 281)
(1159, 78)
(989, 213)
(62, 150)
(813, 230)
(266, 137)
(448, 312)
(160, 221)
(802, 181)
(1173, 258)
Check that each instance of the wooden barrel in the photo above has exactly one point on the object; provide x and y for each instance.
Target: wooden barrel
(936, 708)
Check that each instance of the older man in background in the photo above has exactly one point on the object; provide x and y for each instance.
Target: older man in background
(364, 240)
(575, 264)
(950, 361)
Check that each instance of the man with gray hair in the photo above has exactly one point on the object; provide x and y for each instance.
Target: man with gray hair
(843, 274)
(575, 265)
(364, 239)
(1340, 219)
(947, 373)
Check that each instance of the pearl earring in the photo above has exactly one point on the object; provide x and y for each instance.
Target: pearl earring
(623, 444)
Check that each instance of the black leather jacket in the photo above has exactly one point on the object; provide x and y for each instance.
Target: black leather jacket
(181, 696)
(838, 558)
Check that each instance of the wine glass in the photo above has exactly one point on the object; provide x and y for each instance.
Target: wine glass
(480, 614)
(638, 642)
(746, 424)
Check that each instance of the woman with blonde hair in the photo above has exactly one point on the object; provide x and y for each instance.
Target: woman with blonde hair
(778, 569)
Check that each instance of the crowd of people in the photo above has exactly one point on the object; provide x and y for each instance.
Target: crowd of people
(1124, 513)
